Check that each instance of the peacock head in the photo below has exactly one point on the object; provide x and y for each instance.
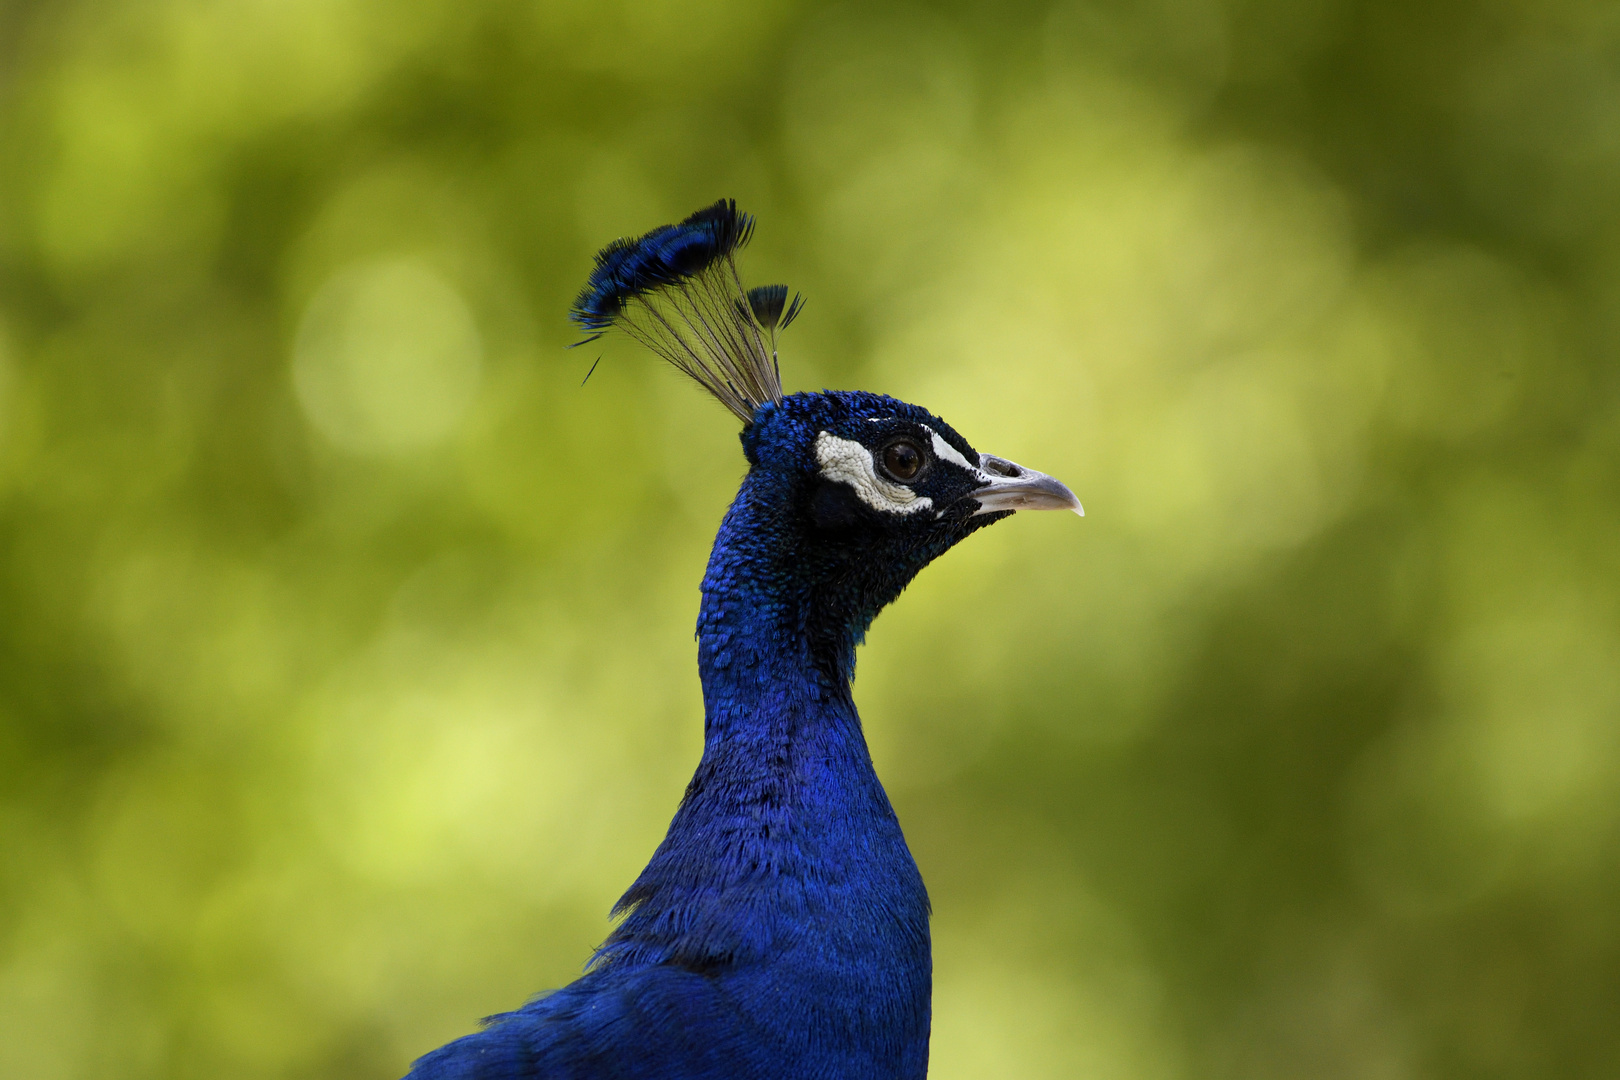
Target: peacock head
(863, 489)
(884, 482)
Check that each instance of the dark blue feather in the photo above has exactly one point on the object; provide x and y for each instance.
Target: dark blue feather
(668, 255)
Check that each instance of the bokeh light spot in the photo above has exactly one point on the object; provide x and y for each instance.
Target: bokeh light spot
(387, 358)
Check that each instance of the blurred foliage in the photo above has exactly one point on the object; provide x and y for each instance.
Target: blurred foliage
(347, 673)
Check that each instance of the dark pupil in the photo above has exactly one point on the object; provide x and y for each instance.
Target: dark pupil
(902, 459)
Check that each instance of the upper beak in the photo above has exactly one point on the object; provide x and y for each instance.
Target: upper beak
(1013, 487)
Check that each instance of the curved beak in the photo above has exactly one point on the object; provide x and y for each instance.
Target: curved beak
(1013, 487)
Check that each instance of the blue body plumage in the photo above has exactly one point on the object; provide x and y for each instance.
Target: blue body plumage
(781, 928)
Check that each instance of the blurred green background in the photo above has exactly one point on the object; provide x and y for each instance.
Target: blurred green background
(346, 659)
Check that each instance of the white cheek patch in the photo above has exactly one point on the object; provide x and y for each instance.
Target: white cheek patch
(848, 462)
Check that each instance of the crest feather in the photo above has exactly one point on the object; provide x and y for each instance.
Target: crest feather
(676, 290)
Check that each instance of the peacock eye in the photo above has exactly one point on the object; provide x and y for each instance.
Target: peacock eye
(903, 459)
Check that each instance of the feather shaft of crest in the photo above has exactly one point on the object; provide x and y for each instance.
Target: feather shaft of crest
(764, 307)
(718, 350)
(755, 340)
(718, 329)
(745, 341)
(689, 356)
(676, 290)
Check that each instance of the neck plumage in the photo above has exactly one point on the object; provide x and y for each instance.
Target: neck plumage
(784, 825)
(771, 638)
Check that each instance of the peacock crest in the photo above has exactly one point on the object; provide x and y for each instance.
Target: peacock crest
(676, 290)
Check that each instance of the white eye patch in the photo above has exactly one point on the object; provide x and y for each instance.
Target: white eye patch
(946, 452)
(848, 462)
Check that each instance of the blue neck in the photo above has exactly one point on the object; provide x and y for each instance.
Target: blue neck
(785, 839)
(768, 634)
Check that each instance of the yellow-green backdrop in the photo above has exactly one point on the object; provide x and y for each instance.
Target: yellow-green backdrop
(346, 659)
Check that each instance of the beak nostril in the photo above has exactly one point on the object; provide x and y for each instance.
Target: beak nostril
(1000, 467)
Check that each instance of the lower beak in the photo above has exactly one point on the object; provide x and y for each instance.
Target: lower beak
(1013, 487)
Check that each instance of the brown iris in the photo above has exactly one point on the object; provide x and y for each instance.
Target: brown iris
(903, 459)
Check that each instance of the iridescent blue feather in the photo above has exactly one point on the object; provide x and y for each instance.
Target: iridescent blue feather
(676, 290)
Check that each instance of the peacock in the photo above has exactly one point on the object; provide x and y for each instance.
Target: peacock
(780, 930)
